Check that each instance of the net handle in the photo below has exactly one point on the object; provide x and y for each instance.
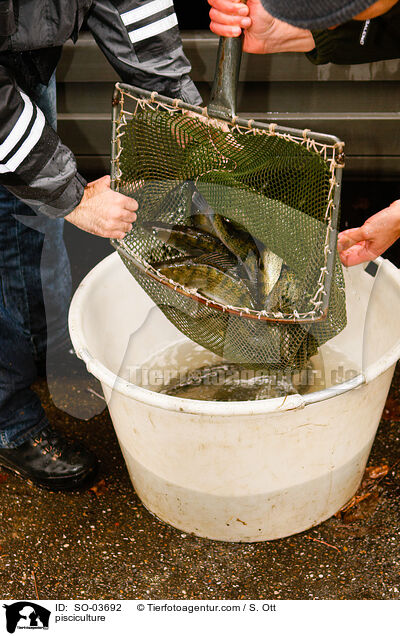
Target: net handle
(226, 77)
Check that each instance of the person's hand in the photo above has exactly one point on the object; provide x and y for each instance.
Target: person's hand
(262, 32)
(103, 211)
(369, 241)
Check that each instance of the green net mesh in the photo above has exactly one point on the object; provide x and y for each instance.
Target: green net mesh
(274, 191)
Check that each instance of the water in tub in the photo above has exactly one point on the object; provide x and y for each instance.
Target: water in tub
(159, 358)
(187, 370)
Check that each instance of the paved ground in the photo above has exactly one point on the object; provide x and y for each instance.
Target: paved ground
(103, 544)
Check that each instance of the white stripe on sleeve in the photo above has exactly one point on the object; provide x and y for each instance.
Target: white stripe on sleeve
(153, 29)
(31, 140)
(135, 15)
(19, 128)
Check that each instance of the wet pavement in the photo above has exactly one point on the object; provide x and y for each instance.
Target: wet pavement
(103, 544)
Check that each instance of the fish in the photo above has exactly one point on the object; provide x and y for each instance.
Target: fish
(230, 382)
(222, 287)
(223, 262)
(270, 269)
(259, 266)
(191, 240)
(238, 241)
(168, 261)
(217, 243)
(286, 295)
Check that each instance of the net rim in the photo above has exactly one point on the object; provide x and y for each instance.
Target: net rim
(302, 135)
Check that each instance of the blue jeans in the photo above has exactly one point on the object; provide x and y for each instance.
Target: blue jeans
(35, 290)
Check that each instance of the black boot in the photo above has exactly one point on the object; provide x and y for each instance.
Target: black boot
(49, 461)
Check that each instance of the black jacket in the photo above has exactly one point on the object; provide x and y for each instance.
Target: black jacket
(141, 40)
(356, 42)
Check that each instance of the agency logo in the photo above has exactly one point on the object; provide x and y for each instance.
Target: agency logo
(26, 615)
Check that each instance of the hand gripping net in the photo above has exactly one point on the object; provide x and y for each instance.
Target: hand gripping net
(280, 185)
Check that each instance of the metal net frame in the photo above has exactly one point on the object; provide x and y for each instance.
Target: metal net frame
(149, 174)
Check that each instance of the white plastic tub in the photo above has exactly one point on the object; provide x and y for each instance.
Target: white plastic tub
(239, 471)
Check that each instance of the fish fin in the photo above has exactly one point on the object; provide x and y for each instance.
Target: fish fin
(222, 261)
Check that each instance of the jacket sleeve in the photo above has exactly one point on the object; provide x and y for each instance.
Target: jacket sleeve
(34, 165)
(359, 42)
(142, 42)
